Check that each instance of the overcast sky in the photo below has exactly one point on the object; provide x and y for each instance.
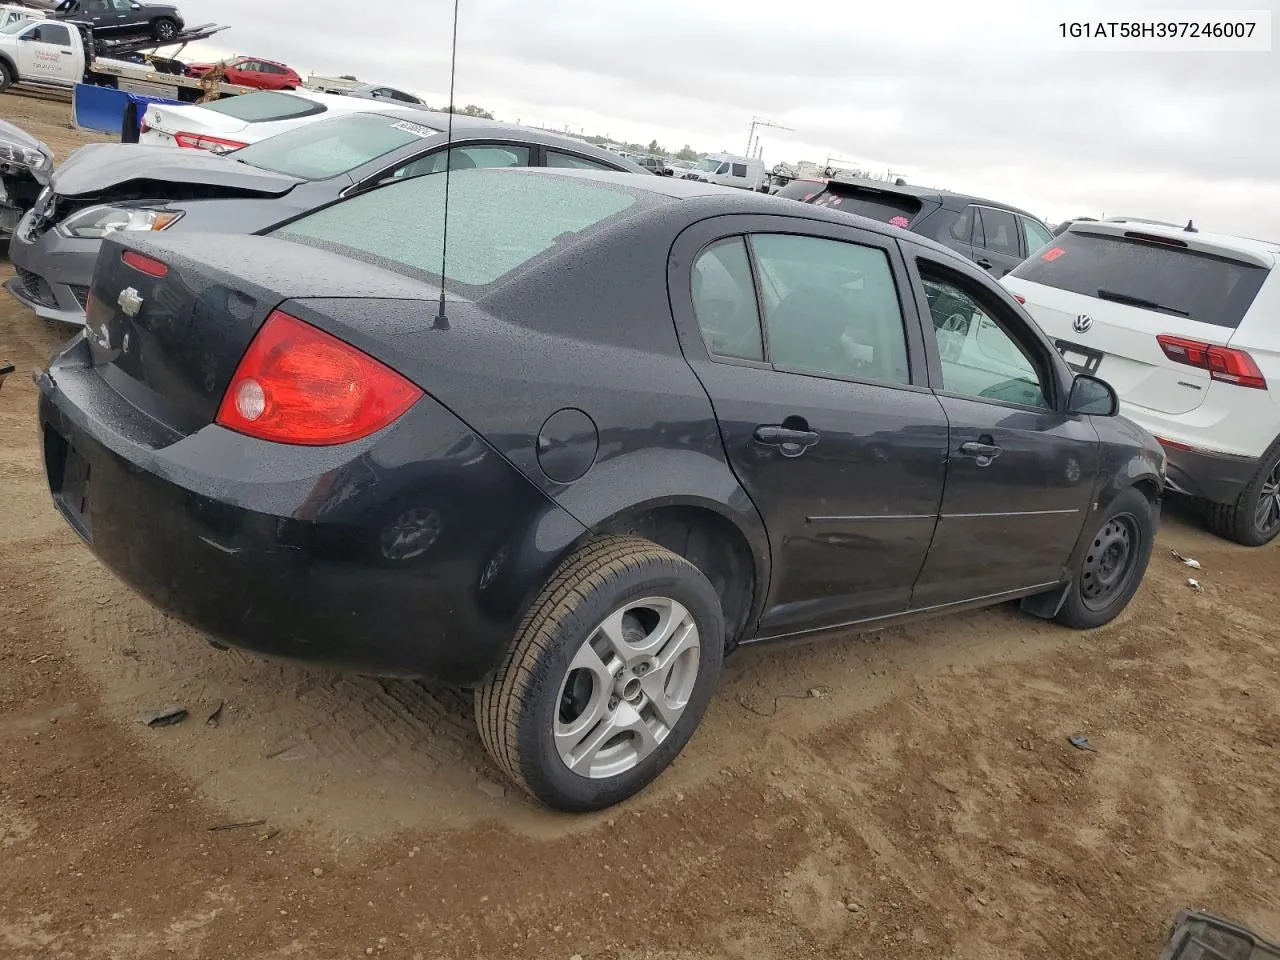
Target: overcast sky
(968, 97)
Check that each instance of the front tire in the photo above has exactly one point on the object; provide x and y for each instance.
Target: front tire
(1254, 518)
(610, 673)
(1113, 563)
(164, 29)
(6, 77)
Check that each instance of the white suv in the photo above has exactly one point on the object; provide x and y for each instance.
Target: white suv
(1186, 327)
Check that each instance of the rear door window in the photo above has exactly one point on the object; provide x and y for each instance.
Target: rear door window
(739, 169)
(962, 227)
(831, 308)
(724, 301)
(999, 231)
(1169, 279)
(264, 107)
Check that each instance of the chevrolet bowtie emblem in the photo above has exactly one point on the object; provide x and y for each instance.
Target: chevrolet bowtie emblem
(129, 301)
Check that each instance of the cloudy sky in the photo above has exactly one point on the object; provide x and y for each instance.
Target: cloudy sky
(976, 99)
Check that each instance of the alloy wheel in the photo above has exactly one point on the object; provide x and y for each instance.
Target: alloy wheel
(627, 687)
(1266, 516)
(1108, 563)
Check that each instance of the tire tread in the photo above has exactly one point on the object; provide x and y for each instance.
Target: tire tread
(501, 701)
(1234, 521)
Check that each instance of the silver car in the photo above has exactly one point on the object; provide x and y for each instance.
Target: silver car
(107, 188)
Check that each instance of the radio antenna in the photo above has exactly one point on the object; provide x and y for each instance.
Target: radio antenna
(441, 321)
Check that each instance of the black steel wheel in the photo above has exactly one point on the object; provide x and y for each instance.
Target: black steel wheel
(1112, 563)
(1109, 561)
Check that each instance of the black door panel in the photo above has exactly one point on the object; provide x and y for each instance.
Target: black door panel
(851, 516)
(996, 241)
(1009, 521)
(845, 467)
(1020, 473)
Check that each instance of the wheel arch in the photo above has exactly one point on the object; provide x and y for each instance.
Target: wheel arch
(712, 539)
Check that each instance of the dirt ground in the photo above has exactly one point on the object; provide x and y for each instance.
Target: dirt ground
(925, 803)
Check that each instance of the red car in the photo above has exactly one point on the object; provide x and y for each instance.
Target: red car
(252, 72)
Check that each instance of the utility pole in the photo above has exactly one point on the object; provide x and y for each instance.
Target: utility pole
(761, 122)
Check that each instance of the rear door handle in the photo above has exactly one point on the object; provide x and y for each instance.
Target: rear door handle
(984, 453)
(984, 263)
(791, 443)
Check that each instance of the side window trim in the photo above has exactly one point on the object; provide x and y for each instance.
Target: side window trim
(373, 179)
(1045, 357)
(698, 236)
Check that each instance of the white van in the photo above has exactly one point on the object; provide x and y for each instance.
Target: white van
(729, 171)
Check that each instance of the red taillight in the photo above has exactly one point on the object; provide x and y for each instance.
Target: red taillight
(1223, 363)
(1021, 300)
(144, 127)
(297, 384)
(144, 264)
(202, 141)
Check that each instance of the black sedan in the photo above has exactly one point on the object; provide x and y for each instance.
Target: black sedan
(108, 188)
(648, 421)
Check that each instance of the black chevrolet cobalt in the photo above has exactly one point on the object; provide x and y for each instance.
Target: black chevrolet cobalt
(655, 420)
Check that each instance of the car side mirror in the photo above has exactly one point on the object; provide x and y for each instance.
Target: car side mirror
(1093, 397)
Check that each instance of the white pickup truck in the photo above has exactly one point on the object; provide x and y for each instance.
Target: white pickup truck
(56, 54)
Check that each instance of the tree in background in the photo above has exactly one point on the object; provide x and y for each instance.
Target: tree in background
(687, 153)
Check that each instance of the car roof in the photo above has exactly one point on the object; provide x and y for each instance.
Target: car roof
(736, 201)
(946, 197)
(1260, 252)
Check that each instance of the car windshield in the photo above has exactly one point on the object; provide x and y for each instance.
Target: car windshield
(1151, 275)
(500, 220)
(326, 149)
(707, 165)
(264, 106)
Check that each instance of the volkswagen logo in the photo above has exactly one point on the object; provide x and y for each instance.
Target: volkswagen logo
(1082, 323)
(129, 302)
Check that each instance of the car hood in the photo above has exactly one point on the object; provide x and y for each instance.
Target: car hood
(102, 166)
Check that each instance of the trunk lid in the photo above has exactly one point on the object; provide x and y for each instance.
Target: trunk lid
(170, 345)
(174, 119)
(99, 167)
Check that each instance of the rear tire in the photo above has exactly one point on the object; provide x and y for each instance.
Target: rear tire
(1254, 518)
(610, 672)
(6, 77)
(164, 29)
(1113, 565)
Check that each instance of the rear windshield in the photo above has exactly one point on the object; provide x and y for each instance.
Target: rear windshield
(1172, 280)
(261, 107)
(321, 150)
(885, 207)
(501, 220)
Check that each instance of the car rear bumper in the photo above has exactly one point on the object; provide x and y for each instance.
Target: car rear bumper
(1214, 476)
(411, 553)
(52, 272)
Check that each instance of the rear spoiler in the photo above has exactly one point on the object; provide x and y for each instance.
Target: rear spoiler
(1152, 233)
